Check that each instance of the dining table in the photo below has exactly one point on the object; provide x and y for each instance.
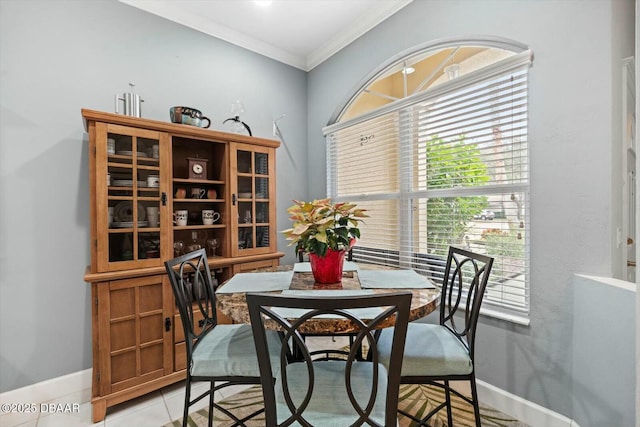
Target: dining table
(357, 279)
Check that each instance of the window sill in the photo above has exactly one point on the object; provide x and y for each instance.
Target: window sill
(517, 318)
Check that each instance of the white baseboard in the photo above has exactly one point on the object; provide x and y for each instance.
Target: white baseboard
(528, 412)
(51, 389)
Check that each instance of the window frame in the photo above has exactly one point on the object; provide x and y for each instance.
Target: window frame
(522, 58)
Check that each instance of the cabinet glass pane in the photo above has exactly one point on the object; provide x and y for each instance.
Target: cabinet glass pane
(262, 188)
(245, 190)
(120, 247)
(244, 161)
(262, 164)
(148, 149)
(245, 213)
(246, 225)
(151, 213)
(245, 237)
(148, 245)
(262, 212)
(262, 236)
(122, 144)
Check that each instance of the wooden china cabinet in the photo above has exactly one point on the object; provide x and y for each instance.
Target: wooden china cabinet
(144, 176)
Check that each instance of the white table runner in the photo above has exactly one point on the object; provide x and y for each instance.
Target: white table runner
(257, 282)
(380, 279)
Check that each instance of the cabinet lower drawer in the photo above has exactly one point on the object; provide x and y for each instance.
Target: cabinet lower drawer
(248, 266)
(179, 329)
(180, 349)
(198, 318)
(180, 352)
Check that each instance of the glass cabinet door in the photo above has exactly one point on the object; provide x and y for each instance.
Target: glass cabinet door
(132, 201)
(253, 199)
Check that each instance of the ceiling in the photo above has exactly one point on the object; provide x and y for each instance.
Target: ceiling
(300, 33)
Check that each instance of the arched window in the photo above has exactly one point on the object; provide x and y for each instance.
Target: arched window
(434, 144)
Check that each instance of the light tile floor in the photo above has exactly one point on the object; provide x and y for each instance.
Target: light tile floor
(152, 410)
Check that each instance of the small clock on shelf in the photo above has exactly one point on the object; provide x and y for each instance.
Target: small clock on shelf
(197, 168)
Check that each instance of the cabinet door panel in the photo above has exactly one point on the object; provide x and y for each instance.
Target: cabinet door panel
(122, 334)
(179, 329)
(151, 360)
(135, 345)
(124, 368)
(149, 332)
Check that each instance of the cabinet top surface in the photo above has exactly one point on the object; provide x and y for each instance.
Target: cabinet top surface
(172, 128)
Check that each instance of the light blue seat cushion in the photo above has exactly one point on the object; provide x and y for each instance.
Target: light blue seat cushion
(228, 350)
(330, 405)
(430, 350)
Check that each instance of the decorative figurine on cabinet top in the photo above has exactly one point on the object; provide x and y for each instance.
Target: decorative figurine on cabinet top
(235, 124)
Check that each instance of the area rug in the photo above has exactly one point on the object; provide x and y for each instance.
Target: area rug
(414, 399)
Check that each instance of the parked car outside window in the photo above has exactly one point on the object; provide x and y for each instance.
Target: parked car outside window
(485, 214)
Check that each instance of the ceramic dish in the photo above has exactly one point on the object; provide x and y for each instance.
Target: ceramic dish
(130, 153)
(244, 195)
(127, 183)
(123, 212)
(129, 224)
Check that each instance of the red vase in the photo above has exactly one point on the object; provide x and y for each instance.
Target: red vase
(328, 268)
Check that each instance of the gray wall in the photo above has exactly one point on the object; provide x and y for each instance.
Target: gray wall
(574, 96)
(614, 349)
(57, 57)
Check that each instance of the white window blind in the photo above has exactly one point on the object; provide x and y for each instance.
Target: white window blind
(447, 166)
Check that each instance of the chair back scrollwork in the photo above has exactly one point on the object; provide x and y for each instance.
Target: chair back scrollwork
(465, 281)
(193, 289)
(349, 388)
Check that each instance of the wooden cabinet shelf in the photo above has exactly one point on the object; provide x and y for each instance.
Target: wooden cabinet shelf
(199, 201)
(197, 181)
(198, 227)
(133, 197)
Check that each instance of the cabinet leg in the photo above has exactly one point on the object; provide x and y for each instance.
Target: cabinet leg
(99, 410)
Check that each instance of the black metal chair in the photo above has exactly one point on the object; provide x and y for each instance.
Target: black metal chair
(223, 354)
(445, 352)
(331, 389)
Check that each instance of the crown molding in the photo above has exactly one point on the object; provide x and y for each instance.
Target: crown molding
(172, 12)
(340, 41)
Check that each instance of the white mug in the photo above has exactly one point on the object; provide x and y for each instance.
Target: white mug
(155, 151)
(152, 216)
(153, 181)
(209, 216)
(180, 217)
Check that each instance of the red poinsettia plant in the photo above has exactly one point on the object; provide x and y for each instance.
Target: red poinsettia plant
(321, 225)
